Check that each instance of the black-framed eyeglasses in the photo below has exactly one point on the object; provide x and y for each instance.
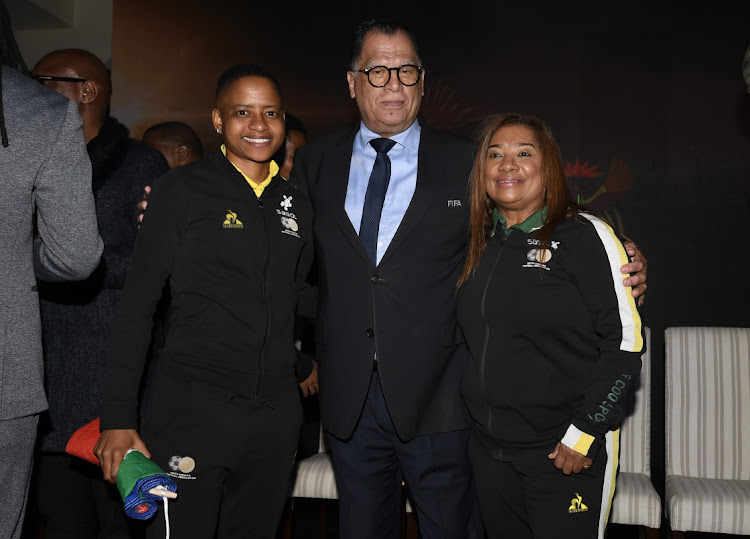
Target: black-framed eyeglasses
(50, 78)
(379, 76)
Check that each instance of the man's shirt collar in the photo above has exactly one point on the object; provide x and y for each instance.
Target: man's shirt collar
(409, 139)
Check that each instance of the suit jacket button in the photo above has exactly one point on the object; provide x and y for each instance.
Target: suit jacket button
(375, 279)
(370, 332)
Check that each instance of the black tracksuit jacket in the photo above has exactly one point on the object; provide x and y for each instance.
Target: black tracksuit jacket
(236, 266)
(555, 340)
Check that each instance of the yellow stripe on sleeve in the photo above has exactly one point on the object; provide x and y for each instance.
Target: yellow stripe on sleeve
(577, 440)
(632, 336)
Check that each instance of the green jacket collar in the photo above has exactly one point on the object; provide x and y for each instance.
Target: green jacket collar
(533, 222)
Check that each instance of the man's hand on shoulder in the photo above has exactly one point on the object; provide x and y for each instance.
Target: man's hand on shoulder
(637, 270)
(143, 204)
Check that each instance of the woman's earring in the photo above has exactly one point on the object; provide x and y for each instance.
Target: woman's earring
(218, 130)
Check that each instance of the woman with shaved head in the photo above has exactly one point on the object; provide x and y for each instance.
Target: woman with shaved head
(234, 242)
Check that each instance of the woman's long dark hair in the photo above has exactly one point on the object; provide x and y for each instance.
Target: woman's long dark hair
(557, 196)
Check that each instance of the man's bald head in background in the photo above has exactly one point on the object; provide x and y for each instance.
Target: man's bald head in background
(176, 141)
(88, 83)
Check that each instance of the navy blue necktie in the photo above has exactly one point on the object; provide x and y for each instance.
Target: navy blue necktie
(374, 197)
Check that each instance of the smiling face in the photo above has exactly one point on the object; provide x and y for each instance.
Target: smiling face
(513, 173)
(250, 118)
(393, 108)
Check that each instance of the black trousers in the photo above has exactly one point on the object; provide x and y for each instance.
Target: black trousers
(530, 498)
(75, 502)
(370, 466)
(230, 455)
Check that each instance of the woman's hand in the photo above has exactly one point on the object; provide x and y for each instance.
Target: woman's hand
(112, 447)
(569, 460)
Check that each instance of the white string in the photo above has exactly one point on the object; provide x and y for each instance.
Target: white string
(166, 514)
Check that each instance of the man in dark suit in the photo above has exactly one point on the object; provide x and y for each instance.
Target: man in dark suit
(389, 351)
(390, 354)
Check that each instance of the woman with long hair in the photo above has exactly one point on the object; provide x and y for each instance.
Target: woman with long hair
(555, 340)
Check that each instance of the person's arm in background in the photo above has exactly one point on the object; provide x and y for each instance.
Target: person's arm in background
(124, 224)
(68, 245)
(598, 256)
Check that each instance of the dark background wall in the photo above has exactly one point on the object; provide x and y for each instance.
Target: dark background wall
(649, 96)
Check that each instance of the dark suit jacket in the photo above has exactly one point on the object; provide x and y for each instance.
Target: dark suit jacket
(405, 308)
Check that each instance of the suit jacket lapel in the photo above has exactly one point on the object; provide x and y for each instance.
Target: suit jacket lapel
(339, 171)
(428, 176)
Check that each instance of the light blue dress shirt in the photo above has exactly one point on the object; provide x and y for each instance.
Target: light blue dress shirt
(401, 187)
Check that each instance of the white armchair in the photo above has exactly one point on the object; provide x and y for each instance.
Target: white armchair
(636, 501)
(313, 478)
(707, 421)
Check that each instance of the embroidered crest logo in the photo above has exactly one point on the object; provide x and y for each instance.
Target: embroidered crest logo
(539, 255)
(181, 467)
(286, 203)
(577, 505)
(232, 221)
(290, 224)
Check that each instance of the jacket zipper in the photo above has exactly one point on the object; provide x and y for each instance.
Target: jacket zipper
(487, 334)
(267, 331)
